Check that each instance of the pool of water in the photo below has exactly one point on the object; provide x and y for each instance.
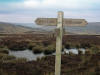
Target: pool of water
(26, 54)
(31, 56)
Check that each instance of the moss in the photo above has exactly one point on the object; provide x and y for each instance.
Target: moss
(67, 46)
(47, 52)
(16, 61)
(49, 49)
(8, 57)
(80, 52)
(2, 46)
(87, 52)
(38, 49)
(77, 46)
(38, 59)
(17, 46)
(95, 49)
(85, 45)
(21, 60)
(31, 45)
(4, 50)
(2, 54)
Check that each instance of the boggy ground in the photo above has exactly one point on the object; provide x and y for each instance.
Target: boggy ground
(88, 64)
(25, 41)
(71, 65)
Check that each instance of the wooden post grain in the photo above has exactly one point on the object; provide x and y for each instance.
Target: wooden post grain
(59, 43)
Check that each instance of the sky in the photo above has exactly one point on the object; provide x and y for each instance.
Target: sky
(26, 11)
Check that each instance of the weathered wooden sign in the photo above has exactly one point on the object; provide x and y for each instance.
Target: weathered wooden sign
(46, 21)
(60, 21)
(66, 22)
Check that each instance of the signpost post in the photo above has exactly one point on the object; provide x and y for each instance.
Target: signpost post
(60, 22)
(59, 43)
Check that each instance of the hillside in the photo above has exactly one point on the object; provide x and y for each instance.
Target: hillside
(13, 29)
(93, 28)
(9, 28)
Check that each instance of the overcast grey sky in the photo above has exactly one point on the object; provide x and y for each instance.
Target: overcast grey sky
(26, 11)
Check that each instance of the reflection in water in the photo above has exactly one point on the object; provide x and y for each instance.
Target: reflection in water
(26, 54)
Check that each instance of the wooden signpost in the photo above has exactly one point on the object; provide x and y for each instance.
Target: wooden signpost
(66, 22)
(60, 22)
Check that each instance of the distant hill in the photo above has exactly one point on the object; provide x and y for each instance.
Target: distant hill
(93, 28)
(13, 29)
(9, 28)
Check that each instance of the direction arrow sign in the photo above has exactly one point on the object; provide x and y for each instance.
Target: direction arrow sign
(46, 21)
(66, 22)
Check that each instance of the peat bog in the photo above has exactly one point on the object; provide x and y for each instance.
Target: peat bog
(72, 64)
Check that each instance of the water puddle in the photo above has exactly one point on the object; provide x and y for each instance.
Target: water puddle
(26, 54)
(31, 56)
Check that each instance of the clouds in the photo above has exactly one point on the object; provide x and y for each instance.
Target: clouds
(28, 10)
(32, 3)
(16, 18)
(67, 4)
(52, 3)
(10, 1)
